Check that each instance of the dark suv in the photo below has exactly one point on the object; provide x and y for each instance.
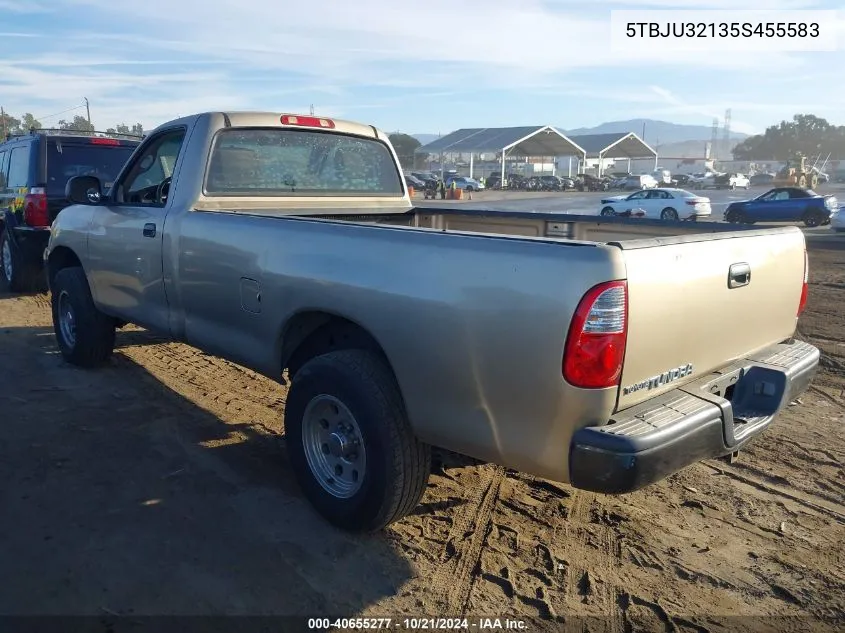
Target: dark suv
(34, 169)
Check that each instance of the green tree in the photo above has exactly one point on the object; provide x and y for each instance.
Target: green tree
(136, 130)
(29, 122)
(79, 124)
(405, 146)
(9, 124)
(806, 134)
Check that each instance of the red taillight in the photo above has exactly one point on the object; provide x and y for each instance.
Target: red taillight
(595, 346)
(97, 140)
(805, 287)
(307, 121)
(35, 208)
(694, 202)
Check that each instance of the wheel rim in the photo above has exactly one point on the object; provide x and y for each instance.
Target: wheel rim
(67, 320)
(7, 260)
(812, 221)
(333, 446)
(669, 214)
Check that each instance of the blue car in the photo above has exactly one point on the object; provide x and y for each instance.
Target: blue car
(783, 204)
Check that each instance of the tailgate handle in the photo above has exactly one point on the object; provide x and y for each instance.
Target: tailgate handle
(739, 275)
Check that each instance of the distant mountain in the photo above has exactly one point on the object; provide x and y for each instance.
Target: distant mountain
(656, 132)
(425, 139)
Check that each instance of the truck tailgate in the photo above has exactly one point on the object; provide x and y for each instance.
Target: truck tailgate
(697, 302)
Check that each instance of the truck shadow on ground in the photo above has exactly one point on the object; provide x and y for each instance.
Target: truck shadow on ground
(130, 499)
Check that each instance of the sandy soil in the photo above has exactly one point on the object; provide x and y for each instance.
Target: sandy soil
(160, 485)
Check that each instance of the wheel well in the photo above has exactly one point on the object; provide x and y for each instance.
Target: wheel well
(311, 334)
(60, 258)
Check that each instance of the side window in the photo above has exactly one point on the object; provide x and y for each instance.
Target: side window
(4, 166)
(18, 167)
(638, 196)
(148, 180)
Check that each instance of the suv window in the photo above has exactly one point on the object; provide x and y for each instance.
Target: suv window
(66, 159)
(274, 162)
(18, 167)
(147, 176)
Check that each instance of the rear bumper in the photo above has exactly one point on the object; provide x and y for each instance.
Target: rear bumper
(711, 417)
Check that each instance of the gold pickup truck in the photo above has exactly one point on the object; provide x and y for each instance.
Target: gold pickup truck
(603, 352)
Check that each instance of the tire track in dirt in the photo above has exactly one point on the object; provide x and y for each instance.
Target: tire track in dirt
(593, 583)
(460, 560)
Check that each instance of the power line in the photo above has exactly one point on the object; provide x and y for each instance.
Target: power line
(50, 116)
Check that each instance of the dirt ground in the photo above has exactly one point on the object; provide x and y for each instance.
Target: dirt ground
(160, 485)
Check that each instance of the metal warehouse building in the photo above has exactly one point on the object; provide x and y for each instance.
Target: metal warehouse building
(545, 141)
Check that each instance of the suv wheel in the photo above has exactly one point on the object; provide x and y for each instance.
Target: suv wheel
(14, 273)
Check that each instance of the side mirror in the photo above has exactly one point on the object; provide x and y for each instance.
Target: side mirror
(84, 190)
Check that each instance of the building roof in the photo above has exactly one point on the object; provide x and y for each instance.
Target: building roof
(619, 145)
(536, 140)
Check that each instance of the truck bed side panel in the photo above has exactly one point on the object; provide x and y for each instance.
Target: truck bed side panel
(474, 326)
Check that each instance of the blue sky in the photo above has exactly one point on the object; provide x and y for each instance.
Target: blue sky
(422, 67)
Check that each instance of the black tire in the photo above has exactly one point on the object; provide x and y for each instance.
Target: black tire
(25, 276)
(397, 463)
(734, 217)
(94, 332)
(608, 211)
(668, 214)
(812, 218)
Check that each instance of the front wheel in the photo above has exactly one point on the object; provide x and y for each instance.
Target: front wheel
(350, 442)
(813, 219)
(608, 211)
(85, 335)
(733, 217)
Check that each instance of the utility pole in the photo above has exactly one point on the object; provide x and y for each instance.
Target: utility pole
(87, 110)
(312, 109)
(3, 118)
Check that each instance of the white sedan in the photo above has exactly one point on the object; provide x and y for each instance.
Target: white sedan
(662, 203)
(837, 220)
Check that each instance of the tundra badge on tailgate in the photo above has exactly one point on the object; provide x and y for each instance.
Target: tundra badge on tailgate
(660, 379)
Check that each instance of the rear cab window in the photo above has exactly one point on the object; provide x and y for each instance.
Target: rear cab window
(285, 162)
(100, 157)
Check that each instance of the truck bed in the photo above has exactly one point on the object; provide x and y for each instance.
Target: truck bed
(554, 226)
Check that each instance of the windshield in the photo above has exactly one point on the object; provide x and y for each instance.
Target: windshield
(282, 162)
(66, 160)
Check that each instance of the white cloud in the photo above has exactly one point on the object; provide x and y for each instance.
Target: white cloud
(172, 57)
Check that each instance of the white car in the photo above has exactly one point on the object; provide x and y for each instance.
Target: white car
(663, 203)
(739, 181)
(837, 219)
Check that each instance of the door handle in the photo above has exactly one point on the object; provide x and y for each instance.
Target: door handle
(739, 275)
(149, 230)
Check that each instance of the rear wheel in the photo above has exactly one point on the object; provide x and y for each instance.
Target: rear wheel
(85, 335)
(350, 442)
(16, 274)
(669, 214)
